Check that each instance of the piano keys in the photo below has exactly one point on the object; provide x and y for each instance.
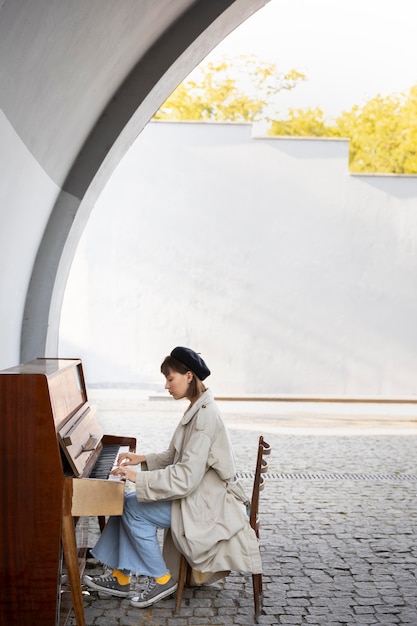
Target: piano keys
(106, 460)
(55, 470)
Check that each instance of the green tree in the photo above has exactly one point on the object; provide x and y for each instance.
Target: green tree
(235, 89)
(382, 133)
(302, 123)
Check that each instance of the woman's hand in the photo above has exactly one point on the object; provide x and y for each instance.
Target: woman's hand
(130, 458)
(124, 473)
(124, 460)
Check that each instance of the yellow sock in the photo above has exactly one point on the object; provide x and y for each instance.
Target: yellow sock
(121, 577)
(163, 579)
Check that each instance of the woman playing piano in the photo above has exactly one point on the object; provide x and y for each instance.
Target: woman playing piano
(190, 490)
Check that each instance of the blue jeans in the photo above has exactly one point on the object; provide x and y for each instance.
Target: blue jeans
(130, 542)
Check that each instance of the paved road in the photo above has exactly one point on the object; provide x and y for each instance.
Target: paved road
(338, 514)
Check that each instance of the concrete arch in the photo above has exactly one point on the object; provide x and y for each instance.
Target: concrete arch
(168, 39)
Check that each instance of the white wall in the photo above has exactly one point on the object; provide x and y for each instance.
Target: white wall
(287, 273)
(27, 195)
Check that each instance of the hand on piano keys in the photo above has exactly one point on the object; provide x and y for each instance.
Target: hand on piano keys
(130, 458)
(121, 469)
(117, 471)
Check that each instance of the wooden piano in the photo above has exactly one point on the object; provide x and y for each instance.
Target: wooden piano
(55, 467)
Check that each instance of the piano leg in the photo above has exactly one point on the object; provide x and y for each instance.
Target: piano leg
(69, 545)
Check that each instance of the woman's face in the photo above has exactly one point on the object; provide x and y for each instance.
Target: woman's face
(177, 384)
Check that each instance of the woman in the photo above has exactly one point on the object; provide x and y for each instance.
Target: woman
(190, 490)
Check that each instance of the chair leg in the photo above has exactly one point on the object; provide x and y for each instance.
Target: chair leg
(257, 592)
(188, 576)
(182, 574)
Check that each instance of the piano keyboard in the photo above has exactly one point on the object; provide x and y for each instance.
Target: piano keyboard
(107, 461)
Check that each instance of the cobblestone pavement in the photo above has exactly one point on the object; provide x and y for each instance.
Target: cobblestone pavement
(338, 514)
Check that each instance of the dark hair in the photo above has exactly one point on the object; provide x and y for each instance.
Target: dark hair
(196, 386)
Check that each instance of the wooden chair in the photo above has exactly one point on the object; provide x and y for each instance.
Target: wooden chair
(258, 485)
(184, 574)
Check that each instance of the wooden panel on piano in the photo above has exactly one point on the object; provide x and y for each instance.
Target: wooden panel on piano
(81, 440)
(65, 383)
(94, 497)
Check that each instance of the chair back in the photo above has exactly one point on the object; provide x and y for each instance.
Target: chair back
(258, 483)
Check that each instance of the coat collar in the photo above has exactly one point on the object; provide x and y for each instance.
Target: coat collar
(204, 399)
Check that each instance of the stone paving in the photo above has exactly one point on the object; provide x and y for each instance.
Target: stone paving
(338, 515)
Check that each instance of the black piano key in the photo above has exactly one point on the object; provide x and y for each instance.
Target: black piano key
(105, 462)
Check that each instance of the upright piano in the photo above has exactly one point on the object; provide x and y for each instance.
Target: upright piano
(55, 464)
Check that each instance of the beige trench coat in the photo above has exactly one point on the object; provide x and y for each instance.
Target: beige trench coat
(209, 524)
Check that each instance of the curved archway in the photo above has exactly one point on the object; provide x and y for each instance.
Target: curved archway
(149, 83)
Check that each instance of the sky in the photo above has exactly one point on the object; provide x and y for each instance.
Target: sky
(350, 50)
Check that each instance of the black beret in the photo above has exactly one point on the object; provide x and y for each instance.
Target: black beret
(191, 359)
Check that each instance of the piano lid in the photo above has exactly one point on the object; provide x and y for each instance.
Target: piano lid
(80, 439)
(65, 382)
